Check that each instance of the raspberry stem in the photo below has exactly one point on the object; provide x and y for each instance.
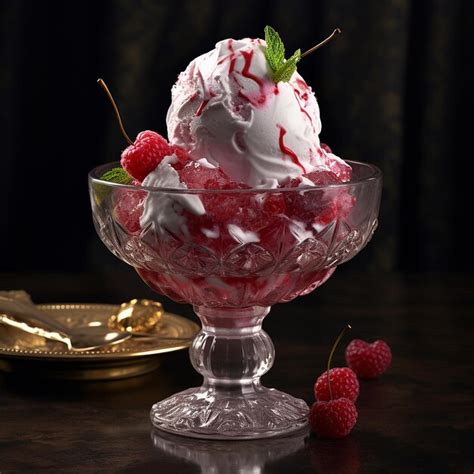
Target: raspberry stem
(348, 326)
(337, 31)
(114, 105)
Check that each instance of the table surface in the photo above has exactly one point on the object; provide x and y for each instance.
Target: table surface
(418, 417)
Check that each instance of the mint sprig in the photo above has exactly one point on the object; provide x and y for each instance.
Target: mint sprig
(275, 50)
(282, 69)
(117, 175)
(286, 70)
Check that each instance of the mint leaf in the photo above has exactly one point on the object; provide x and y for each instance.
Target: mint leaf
(275, 55)
(117, 175)
(275, 50)
(286, 70)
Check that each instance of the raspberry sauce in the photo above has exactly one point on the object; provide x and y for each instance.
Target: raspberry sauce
(288, 151)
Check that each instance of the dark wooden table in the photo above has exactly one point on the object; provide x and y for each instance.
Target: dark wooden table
(417, 418)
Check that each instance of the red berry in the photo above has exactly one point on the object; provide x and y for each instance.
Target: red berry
(334, 418)
(344, 383)
(368, 361)
(145, 154)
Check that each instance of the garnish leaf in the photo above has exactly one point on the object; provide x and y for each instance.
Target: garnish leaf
(286, 70)
(117, 175)
(275, 50)
(275, 55)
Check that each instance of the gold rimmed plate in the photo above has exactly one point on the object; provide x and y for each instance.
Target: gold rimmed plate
(22, 351)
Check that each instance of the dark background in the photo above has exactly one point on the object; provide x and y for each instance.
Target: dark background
(395, 89)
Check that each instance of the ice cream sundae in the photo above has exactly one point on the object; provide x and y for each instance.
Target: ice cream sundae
(239, 208)
(241, 118)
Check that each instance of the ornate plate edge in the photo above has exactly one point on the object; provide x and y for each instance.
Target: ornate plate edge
(94, 355)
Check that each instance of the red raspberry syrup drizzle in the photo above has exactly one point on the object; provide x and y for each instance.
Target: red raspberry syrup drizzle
(288, 151)
(258, 99)
(303, 86)
(261, 97)
(204, 103)
(297, 97)
(208, 95)
(231, 56)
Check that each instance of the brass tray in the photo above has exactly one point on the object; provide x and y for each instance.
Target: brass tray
(20, 351)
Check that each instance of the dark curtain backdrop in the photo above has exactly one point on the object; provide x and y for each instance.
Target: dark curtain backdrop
(394, 89)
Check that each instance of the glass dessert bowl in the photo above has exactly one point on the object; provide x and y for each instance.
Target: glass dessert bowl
(249, 249)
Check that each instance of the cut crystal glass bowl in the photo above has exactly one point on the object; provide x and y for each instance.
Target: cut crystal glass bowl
(251, 249)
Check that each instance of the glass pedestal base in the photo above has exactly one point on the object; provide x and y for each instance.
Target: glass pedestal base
(231, 352)
(207, 412)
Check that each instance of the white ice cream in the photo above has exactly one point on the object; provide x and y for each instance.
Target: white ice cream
(226, 111)
(226, 108)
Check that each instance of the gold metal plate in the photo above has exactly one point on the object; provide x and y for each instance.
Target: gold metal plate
(19, 350)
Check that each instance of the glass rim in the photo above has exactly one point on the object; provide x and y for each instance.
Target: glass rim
(374, 175)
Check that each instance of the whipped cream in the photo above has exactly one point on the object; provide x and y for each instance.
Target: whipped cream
(164, 211)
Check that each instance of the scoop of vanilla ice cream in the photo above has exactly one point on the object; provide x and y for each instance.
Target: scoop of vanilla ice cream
(226, 108)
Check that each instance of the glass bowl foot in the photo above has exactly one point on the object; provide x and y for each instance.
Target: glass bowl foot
(206, 412)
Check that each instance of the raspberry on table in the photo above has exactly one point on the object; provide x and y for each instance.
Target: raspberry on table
(368, 361)
(344, 384)
(334, 418)
(145, 154)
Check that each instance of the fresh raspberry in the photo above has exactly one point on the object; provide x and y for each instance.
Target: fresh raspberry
(344, 384)
(145, 154)
(334, 418)
(368, 361)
